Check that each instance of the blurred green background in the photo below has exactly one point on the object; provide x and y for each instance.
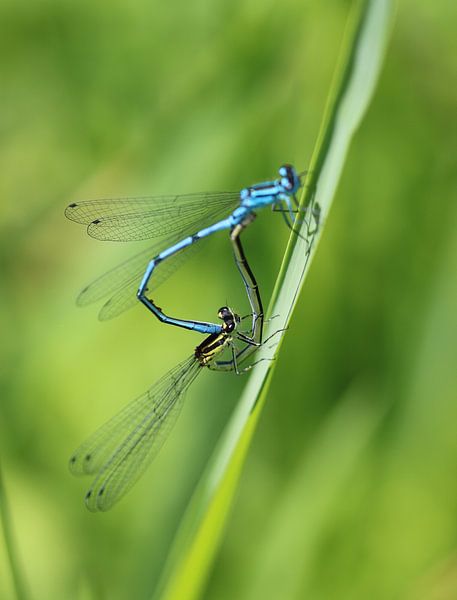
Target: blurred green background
(350, 490)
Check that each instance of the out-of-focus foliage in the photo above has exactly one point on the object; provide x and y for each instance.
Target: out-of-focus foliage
(350, 489)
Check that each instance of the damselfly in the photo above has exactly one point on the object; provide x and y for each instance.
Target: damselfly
(179, 222)
(118, 453)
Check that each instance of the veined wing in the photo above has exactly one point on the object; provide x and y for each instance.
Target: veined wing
(128, 219)
(121, 283)
(119, 452)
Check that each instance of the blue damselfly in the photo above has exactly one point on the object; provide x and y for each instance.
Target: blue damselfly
(179, 222)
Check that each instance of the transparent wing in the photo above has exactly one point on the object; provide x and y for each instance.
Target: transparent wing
(119, 452)
(128, 219)
(120, 284)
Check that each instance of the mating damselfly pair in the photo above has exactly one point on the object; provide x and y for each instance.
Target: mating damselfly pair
(117, 454)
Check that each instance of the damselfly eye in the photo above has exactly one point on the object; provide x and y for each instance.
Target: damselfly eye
(287, 173)
(224, 312)
(229, 317)
(228, 314)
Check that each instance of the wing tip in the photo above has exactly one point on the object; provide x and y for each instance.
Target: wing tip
(69, 212)
(90, 501)
(80, 464)
(72, 465)
(96, 501)
(104, 314)
(81, 299)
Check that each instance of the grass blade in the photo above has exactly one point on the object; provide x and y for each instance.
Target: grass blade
(5, 520)
(354, 82)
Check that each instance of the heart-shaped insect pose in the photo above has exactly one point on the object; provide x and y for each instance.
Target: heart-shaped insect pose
(179, 222)
(119, 452)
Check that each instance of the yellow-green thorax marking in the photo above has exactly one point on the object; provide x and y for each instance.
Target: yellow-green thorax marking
(215, 343)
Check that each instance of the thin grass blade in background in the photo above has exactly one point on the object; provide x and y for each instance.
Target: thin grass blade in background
(6, 527)
(358, 68)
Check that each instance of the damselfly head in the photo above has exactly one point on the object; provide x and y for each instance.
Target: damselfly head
(230, 318)
(290, 179)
